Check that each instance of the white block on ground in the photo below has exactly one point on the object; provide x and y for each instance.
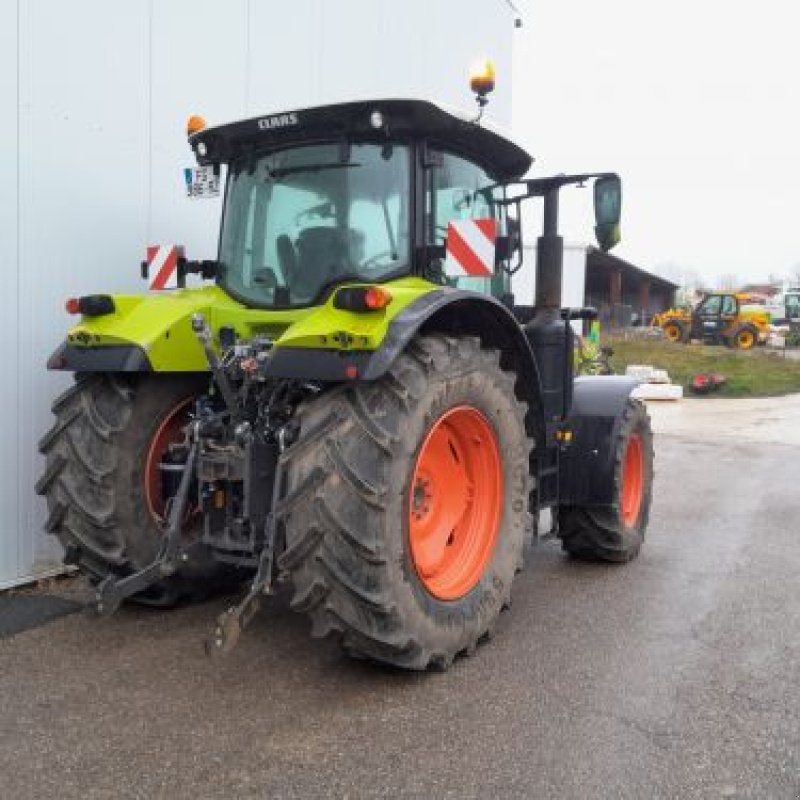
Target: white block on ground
(647, 373)
(657, 391)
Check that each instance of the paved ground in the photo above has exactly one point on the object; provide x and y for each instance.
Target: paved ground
(677, 676)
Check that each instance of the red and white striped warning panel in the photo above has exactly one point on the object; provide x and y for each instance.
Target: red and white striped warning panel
(470, 248)
(162, 261)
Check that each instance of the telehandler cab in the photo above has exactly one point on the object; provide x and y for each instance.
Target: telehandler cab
(356, 405)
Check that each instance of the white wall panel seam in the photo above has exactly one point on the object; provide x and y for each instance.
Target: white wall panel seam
(22, 566)
(18, 440)
(150, 165)
(247, 62)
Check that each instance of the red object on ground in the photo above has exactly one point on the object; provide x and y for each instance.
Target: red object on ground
(705, 382)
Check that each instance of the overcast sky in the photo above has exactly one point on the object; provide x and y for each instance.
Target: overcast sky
(695, 103)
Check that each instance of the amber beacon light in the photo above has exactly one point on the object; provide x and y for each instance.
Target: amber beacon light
(195, 124)
(481, 79)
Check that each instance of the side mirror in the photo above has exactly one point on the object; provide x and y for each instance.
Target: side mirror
(607, 211)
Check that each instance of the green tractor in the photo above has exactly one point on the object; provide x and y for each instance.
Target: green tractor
(355, 404)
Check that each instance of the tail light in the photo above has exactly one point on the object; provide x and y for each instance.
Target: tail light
(362, 298)
(92, 305)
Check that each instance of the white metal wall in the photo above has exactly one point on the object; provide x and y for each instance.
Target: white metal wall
(94, 96)
(11, 543)
(573, 286)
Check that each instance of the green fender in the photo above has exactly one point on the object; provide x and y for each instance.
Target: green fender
(459, 312)
(153, 332)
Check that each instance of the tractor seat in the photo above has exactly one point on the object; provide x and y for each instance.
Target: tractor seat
(323, 255)
(322, 250)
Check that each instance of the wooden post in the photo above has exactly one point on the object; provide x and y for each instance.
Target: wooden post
(615, 295)
(644, 301)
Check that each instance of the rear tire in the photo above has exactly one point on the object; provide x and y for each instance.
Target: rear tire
(744, 337)
(349, 503)
(617, 534)
(94, 480)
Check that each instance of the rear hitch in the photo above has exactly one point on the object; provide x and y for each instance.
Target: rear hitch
(233, 621)
(112, 591)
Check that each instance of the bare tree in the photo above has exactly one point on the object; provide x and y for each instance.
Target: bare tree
(727, 281)
(775, 279)
(691, 279)
(685, 277)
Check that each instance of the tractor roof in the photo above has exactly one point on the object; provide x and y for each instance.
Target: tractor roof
(403, 120)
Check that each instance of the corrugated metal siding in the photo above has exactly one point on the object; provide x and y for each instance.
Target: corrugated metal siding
(94, 97)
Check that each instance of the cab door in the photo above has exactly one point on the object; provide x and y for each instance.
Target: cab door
(459, 212)
(793, 308)
(729, 313)
(707, 321)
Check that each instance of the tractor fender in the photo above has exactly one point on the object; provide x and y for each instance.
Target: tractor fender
(113, 358)
(464, 313)
(586, 465)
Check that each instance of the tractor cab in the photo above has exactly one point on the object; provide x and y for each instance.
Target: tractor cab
(363, 192)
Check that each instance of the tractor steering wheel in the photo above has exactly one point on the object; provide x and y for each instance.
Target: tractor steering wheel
(373, 260)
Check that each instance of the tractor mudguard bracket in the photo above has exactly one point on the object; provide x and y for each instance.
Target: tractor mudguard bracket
(112, 591)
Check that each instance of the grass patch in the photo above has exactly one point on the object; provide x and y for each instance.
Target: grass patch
(757, 373)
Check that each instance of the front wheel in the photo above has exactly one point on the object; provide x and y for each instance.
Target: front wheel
(617, 533)
(406, 505)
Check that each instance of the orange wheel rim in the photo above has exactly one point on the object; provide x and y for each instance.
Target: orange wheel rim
(632, 480)
(745, 339)
(455, 503)
(169, 431)
(672, 333)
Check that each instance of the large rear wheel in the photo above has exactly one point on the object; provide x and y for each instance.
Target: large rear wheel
(617, 533)
(744, 337)
(102, 481)
(406, 505)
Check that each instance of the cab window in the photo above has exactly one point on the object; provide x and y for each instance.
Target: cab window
(459, 190)
(729, 306)
(711, 306)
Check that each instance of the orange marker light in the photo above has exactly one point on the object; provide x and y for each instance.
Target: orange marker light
(73, 306)
(194, 125)
(377, 297)
(481, 77)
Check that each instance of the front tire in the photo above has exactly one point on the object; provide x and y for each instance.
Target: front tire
(372, 463)
(617, 533)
